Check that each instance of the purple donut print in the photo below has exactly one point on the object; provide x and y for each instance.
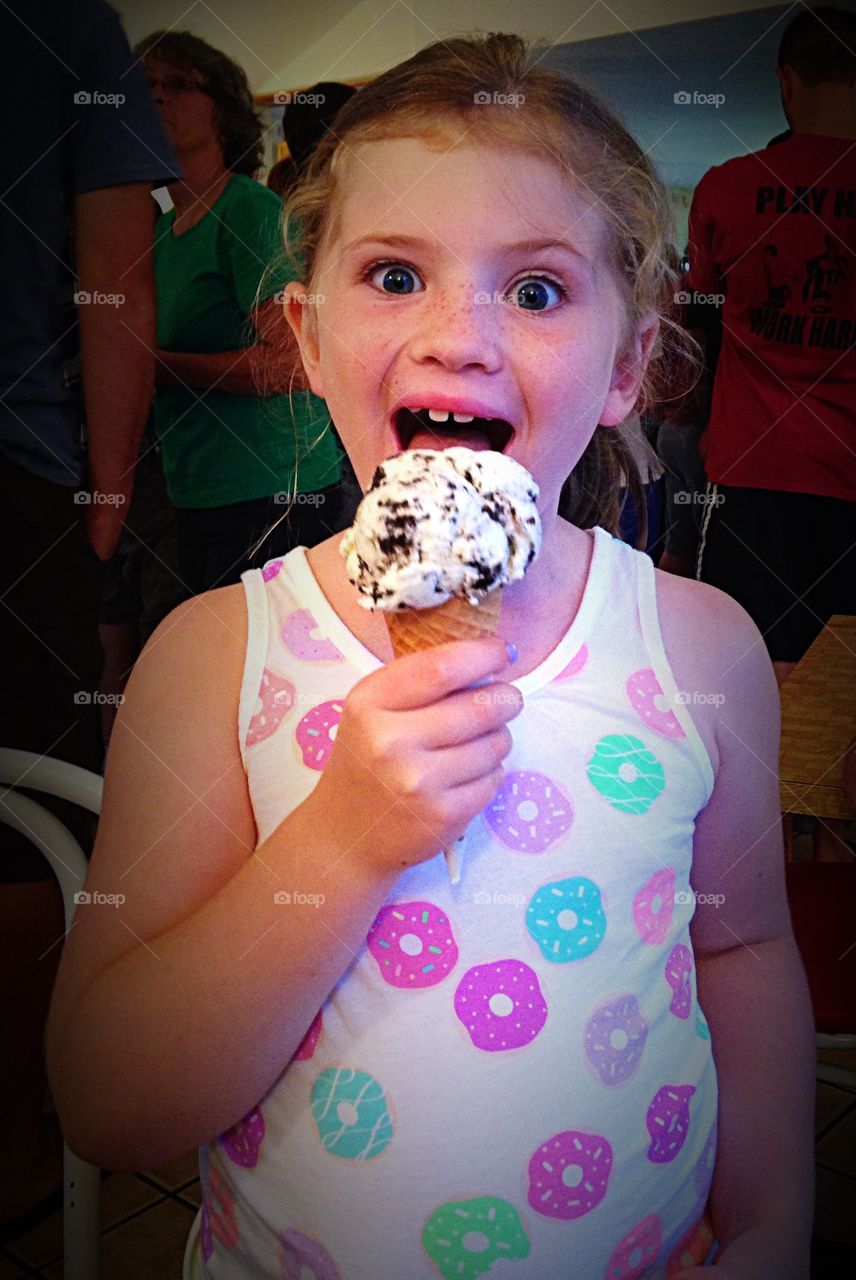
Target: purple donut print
(668, 1121)
(243, 1142)
(413, 944)
(569, 1173)
(501, 1005)
(576, 664)
(615, 1036)
(679, 966)
(271, 569)
(529, 812)
(300, 1251)
(296, 634)
(306, 1048)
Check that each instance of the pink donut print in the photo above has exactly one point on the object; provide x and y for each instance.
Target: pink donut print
(654, 906)
(679, 967)
(273, 703)
(271, 569)
(299, 1252)
(243, 1142)
(306, 1048)
(615, 1036)
(635, 1252)
(315, 733)
(218, 1215)
(576, 664)
(413, 944)
(529, 812)
(296, 634)
(651, 704)
(568, 1174)
(668, 1121)
(501, 1005)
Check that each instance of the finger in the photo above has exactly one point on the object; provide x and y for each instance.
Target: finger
(470, 713)
(456, 766)
(464, 802)
(418, 679)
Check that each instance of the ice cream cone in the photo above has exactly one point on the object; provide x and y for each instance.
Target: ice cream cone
(414, 630)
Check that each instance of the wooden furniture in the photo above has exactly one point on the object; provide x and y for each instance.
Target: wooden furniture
(818, 723)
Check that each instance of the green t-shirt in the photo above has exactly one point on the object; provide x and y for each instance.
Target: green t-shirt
(220, 448)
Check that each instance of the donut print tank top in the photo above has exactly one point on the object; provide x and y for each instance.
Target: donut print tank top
(514, 1079)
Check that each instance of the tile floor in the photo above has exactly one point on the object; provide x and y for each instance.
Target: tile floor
(146, 1217)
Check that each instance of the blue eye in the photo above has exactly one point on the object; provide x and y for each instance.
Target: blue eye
(394, 278)
(537, 294)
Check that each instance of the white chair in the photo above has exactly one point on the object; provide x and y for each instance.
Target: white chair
(82, 1181)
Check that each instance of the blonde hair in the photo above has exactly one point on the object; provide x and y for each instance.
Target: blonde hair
(493, 85)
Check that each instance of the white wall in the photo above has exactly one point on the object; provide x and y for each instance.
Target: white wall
(286, 44)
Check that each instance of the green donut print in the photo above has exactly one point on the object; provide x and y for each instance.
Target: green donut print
(464, 1238)
(626, 773)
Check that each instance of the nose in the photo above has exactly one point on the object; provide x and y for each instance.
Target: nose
(458, 328)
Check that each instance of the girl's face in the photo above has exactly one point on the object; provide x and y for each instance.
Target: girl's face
(471, 279)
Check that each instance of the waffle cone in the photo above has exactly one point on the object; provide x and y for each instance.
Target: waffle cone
(414, 630)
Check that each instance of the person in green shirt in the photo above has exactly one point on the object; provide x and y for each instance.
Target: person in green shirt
(251, 464)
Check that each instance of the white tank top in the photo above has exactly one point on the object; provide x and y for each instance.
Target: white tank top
(515, 1077)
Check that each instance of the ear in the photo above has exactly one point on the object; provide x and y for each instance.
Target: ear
(628, 372)
(300, 314)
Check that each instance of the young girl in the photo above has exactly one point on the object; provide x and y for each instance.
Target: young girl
(552, 1068)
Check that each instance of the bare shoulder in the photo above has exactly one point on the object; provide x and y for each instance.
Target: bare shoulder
(719, 659)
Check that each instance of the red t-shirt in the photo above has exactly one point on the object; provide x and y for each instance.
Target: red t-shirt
(776, 233)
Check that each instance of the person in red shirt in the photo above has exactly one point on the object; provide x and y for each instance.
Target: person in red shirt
(773, 244)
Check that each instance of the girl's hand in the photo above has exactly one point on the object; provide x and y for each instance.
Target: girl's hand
(417, 754)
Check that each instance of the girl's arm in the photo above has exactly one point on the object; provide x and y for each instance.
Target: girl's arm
(185, 988)
(751, 981)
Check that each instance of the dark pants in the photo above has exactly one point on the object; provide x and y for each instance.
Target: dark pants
(50, 585)
(217, 544)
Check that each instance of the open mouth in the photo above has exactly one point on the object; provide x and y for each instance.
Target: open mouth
(437, 429)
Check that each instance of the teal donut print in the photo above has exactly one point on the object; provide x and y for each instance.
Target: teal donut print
(350, 1110)
(464, 1238)
(566, 919)
(626, 773)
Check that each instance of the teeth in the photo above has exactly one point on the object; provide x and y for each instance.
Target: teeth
(463, 417)
(438, 415)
